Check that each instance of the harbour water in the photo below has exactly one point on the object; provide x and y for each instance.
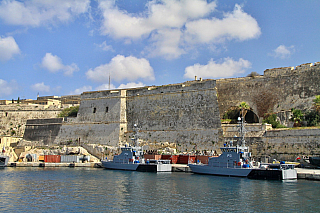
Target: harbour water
(99, 190)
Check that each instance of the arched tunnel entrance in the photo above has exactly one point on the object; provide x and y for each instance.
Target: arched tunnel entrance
(233, 113)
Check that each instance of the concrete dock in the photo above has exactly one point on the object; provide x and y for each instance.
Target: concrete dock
(308, 174)
(42, 164)
(180, 168)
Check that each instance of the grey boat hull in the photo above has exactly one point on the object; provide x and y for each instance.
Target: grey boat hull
(222, 171)
(120, 166)
(142, 167)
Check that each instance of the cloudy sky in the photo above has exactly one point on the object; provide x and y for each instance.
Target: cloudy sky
(64, 47)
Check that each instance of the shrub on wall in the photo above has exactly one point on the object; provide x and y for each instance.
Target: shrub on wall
(69, 112)
(312, 118)
(272, 119)
(297, 117)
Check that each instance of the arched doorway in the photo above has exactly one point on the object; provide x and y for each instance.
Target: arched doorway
(234, 112)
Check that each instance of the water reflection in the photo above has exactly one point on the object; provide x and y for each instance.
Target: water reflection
(99, 190)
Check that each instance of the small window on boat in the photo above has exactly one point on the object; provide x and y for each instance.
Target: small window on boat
(94, 110)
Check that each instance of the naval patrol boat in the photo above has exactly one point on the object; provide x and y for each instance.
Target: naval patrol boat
(131, 158)
(234, 160)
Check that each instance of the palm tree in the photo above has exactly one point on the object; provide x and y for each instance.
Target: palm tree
(244, 107)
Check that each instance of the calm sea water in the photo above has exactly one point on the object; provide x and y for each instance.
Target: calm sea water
(100, 190)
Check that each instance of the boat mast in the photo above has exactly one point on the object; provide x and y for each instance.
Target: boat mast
(242, 130)
(135, 135)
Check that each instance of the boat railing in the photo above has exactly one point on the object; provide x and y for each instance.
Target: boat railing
(239, 165)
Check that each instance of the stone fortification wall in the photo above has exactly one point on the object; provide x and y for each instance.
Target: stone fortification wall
(284, 144)
(186, 114)
(43, 130)
(13, 117)
(58, 132)
(84, 133)
(288, 144)
(101, 106)
(252, 130)
(279, 89)
(101, 119)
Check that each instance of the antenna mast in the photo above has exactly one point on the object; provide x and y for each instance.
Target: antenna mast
(109, 81)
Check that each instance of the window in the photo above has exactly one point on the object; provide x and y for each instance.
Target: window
(107, 109)
(94, 110)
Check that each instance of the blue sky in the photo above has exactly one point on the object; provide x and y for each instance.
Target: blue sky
(64, 47)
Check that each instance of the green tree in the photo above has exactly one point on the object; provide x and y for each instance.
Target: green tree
(253, 74)
(312, 118)
(69, 112)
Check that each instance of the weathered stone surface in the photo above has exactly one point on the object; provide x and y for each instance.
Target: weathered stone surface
(13, 118)
(188, 114)
(44, 130)
(279, 89)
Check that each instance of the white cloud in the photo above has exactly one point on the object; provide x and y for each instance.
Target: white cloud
(159, 15)
(120, 24)
(226, 68)
(105, 47)
(81, 90)
(37, 12)
(131, 85)
(236, 25)
(122, 86)
(7, 88)
(54, 64)
(122, 68)
(174, 26)
(283, 52)
(166, 43)
(40, 87)
(105, 87)
(8, 48)
(163, 19)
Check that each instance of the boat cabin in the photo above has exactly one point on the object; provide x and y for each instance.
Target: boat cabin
(129, 155)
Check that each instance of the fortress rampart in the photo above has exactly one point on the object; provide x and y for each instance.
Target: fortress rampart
(188, 114)
(278, 90)
(13, 118)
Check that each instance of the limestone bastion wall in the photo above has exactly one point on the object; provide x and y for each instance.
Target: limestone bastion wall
(288, 144)
(100, 120)
(13, 117)
(186, 114)
(278, 90)
(284, 144)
